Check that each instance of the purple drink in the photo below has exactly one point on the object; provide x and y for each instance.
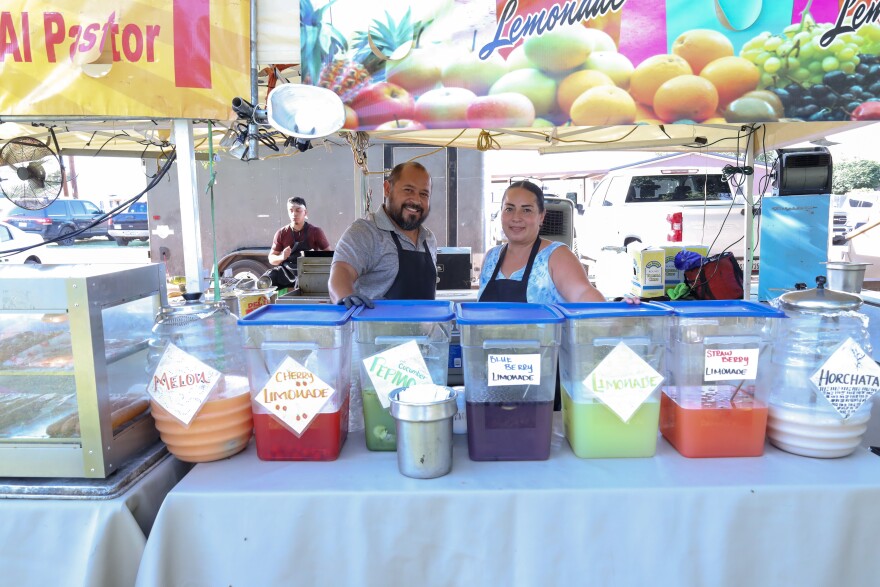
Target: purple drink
(509, 431)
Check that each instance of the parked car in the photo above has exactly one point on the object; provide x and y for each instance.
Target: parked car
(130, 225)
(658, 207)
(12, 238)
(59, 220)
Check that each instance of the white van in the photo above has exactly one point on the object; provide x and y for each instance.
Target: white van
(663, 206)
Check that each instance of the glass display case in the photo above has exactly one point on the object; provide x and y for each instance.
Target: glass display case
(73, 358)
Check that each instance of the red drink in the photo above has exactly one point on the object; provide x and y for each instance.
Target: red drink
(509, 431)
(715, 428)
(321, 441)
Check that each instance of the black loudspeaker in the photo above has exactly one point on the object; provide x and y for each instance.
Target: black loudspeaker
(802, 172)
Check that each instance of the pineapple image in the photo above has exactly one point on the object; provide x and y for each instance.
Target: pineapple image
(346, 76)
(320, 41)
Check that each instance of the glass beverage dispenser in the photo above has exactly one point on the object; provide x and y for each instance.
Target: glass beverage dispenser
(823, 374)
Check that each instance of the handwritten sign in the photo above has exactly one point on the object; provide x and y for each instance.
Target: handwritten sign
(848, 378)
(181, 383)
(623, 381)
(294, 395)
(727, 364)
(514, 369)
(399, 366)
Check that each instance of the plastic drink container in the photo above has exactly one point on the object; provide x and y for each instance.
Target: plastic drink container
(392, 323)
(510, 356)
(714, 402)
(318, 338)
(595, 368)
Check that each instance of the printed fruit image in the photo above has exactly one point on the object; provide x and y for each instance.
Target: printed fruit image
(601, 40)
(614, 65)
(752, 109)
(401, 124)
(576, 84)
(645, 113)
(700, 46)
(444, 107)
(416, 73)
(347, 75)
(652, 73)
(769, 97)
(603, 105)
(517, 59)
(533, 84)
(796, 56)
(501, 110)
(468, 71)
(382, 102)
(732, 77)
(688, 97)
(351, 118)
(559, 50)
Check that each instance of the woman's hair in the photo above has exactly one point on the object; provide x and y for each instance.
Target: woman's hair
(527, 185)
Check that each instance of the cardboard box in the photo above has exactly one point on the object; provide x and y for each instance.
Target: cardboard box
(247, 303)
(648, 271)
(673, 275)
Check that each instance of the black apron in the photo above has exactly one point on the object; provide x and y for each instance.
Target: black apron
(284, 275)
(416, 274)
(510, 290)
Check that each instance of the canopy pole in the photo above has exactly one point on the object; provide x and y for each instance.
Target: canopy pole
(191, 231)
(748, 238)
(255, 93)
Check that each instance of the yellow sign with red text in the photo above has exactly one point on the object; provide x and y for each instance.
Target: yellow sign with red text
(126, 58)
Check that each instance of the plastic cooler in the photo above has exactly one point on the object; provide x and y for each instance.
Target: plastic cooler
(318, 337)
(392, 323)
(714, 403)
(510, 352)
(591, 332)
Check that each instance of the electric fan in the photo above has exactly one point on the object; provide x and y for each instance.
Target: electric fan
(31, 174)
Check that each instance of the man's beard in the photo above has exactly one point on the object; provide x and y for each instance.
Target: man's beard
(398, 217)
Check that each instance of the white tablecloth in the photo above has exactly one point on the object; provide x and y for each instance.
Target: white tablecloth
(82, 542)
(775, 520)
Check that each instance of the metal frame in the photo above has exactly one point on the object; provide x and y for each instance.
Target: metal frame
(97, 452)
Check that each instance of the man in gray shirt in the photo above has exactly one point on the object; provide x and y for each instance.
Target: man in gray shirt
(390, 254)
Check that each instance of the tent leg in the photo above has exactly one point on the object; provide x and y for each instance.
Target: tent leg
(748, 239)
(191, 232)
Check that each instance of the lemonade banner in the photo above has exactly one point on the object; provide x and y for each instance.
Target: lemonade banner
(125, 58)
(541, 63)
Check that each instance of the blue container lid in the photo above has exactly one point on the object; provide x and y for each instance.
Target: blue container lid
(298, 315)
(723, 309)
(406, 311)
(477, 313)
(581, 310)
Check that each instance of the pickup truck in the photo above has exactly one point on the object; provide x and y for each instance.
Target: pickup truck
(130, 225)
(659, 207)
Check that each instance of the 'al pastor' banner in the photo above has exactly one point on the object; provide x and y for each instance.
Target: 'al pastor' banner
(126, 58)
(534, 63)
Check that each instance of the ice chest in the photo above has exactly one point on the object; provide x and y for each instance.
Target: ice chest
(510, 352)
(612, 362)
(714, 402)
(318, 338)
(427, 323)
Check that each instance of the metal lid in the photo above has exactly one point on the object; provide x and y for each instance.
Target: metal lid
(819, 299)
(194, 308)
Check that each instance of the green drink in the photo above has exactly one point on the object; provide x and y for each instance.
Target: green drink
(379, 426)
(594, 431)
